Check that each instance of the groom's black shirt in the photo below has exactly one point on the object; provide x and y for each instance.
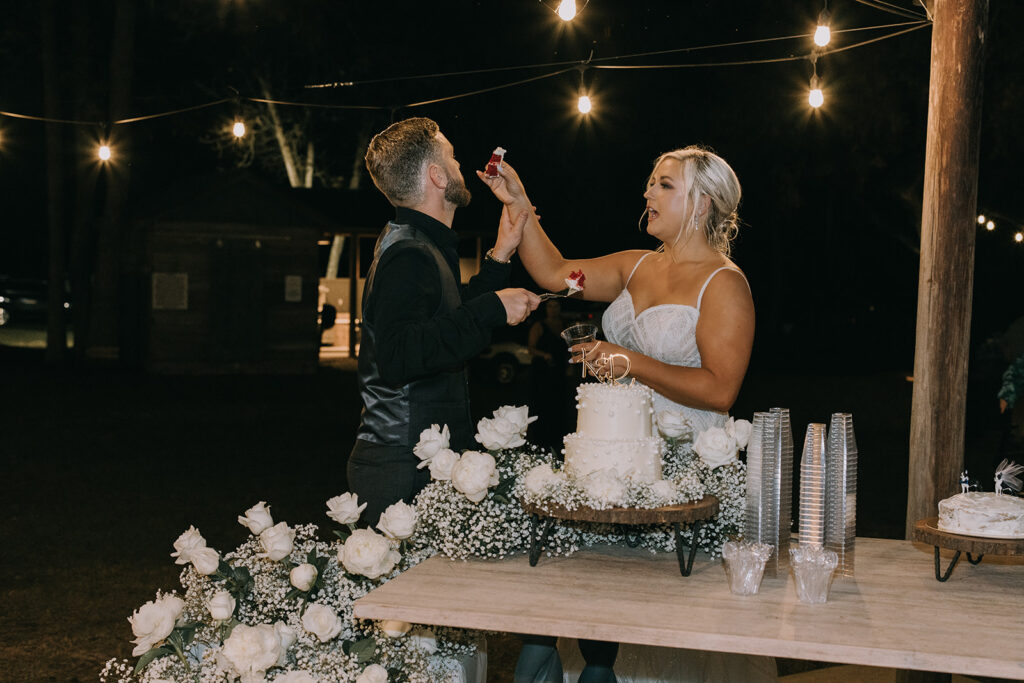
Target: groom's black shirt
(411, 340)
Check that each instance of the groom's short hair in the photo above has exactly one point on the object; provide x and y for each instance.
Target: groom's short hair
(397, 157)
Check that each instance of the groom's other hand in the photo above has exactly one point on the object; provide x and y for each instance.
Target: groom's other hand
(519, 304)
(510, 233)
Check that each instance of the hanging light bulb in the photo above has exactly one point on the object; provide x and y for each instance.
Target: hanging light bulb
(990, 225)
(1019, 237)
(815, 97)
(981, 219)
(104, 152)
(823, 34)
(567, 10)
(238, 129)
(584, 104)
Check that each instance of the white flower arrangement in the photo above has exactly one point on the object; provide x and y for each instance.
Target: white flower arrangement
(279, 608)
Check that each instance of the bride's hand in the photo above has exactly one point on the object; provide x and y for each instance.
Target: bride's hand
(507, 186)
(594, 351)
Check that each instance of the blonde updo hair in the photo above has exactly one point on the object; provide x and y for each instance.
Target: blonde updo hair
(713, 177)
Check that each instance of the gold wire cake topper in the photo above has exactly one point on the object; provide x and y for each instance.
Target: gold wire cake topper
(603, 367)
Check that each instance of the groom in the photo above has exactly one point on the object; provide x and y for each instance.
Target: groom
(419, 325)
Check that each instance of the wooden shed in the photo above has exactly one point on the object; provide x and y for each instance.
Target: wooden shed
(232, 276)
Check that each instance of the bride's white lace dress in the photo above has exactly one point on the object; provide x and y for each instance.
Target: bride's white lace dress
(667, 332)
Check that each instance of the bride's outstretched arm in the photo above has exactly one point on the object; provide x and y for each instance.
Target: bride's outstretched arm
(725, 338)
(605, 275)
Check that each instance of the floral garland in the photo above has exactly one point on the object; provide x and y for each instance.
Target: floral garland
(279, 607)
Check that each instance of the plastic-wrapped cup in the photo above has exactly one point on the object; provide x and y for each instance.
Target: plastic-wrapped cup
(812, 570)
(744, 565)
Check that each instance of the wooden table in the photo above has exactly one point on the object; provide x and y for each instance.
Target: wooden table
(893, 613)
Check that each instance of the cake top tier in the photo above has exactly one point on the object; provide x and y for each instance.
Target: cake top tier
(613, 411)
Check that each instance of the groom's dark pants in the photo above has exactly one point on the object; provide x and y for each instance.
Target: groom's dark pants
(539, 661)
(383, 475)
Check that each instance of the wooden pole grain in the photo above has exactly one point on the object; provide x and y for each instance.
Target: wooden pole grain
(946, 273)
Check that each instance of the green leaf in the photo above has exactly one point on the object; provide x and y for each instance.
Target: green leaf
(175, 640)
(188, 632)
(224, 568)
(343, 534)
(363, 650)
(292, 594)
(498, 498)
(311, 557)
(148, 657)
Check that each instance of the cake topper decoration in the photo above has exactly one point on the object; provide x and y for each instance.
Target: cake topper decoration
(604, 366)
(494, 165)
(965, 482)
(1006, 476)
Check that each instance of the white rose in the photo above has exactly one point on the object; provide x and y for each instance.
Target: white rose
(395, 629)
(257, 518)
(398, 521)
(540, 479)
(432, 440)
(424, 639)
(442, 463)
(604, 486)
(375, 673)
(205, 560)
(368, 553)
(154, 621)
(517, 415)
(498, 433)
(252, 650)
(672, 424)
(473, 474)
(322, 621)
(295, 677)
(277, 541)
(187, 543)
(715, 447)
(303, 577)
(345, 509)
(287, 635)
(739, 430)
(221, 606)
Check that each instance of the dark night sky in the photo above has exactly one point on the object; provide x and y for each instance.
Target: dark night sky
(831, 198)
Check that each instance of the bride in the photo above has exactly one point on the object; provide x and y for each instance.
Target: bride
(684, 316)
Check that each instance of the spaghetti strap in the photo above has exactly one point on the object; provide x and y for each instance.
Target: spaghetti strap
(708, 281)
(635, 267)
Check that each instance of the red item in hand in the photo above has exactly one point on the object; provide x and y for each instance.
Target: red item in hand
(494, 165)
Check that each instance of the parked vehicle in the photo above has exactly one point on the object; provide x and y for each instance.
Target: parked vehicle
(24, 300)
(503, 361)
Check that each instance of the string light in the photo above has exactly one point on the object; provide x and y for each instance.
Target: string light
(238, 129)
(990, 225)
(567, 10)
(104, 152)
(823, 34)
(815, 97)
(1019, 237)
(981, 219)
(584, 104)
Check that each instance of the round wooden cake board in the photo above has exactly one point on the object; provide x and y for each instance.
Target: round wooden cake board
(927, 531)
(693, 513)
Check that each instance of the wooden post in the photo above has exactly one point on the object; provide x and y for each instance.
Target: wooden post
(947, 254)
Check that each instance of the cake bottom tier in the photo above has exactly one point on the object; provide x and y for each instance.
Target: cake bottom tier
(635, 459)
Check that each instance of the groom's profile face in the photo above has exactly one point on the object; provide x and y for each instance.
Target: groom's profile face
(455, 191)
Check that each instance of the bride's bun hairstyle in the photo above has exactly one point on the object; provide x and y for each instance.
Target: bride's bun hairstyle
(712, 177)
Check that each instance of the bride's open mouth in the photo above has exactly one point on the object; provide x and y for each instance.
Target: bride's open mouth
(651, 214)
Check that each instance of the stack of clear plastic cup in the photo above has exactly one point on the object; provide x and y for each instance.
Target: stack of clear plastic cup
(770, 485)
(841, 491)
(812, 487)
(744, 565)
(812, 570)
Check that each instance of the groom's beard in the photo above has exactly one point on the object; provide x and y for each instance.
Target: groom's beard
(456, 192)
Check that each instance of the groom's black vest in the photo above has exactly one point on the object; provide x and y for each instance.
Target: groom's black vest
(395, 416)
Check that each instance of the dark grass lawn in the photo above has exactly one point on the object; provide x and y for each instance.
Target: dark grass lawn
(102, 470)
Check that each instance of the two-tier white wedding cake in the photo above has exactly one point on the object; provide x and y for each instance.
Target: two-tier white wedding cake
(614, 432)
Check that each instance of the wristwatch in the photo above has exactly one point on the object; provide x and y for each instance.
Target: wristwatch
(490, 255)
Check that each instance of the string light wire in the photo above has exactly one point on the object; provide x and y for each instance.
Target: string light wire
(593, 63)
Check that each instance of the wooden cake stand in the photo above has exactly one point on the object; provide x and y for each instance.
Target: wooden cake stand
(693, 514)
(927, 531)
